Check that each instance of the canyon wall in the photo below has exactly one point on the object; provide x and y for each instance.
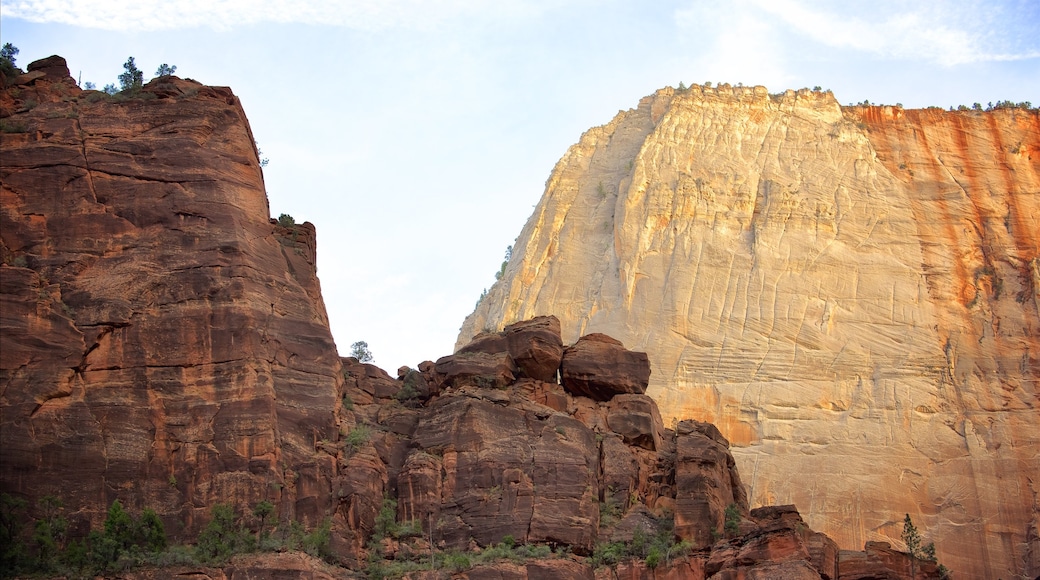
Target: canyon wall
(164, 343)
(850, 294)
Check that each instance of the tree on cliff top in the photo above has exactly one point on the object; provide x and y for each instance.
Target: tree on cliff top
(7, 54)
(359, 350)
(133, 78)
(919, 550)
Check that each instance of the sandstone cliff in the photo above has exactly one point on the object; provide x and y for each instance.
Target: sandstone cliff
(850, 294)
(164, 343)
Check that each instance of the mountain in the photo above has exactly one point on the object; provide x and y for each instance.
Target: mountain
(849, 293)
(164, 344)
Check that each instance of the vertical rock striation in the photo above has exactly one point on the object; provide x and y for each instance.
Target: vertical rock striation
(164, 342)
(850, 294)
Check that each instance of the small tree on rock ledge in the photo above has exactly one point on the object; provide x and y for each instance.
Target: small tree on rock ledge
(359, 350)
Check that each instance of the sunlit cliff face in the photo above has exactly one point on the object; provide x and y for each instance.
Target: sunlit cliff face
(850, 294)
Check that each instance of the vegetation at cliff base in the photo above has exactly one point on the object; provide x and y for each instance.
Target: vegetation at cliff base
(43, 544)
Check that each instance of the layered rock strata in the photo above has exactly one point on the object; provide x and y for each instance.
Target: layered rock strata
(850, 294)
(163, 341)
(541, 462)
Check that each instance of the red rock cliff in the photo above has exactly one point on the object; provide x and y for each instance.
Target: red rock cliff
(163, 342)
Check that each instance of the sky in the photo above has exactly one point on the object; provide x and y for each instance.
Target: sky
(417, 135)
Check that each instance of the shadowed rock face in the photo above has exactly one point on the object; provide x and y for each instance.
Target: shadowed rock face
(163, 341)
(850, 294)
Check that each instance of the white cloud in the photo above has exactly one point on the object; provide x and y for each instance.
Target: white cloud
(222, 14)
(946, 33)
(743, 47)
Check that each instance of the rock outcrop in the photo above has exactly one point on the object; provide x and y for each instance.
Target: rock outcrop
(163, 341)
(850, 294)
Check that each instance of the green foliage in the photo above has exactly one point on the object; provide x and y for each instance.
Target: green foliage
(9, 126)
(911, 537)
(357, 437)
(359, 350)
(49, 533)
(286, 221)
(223, 536)
(457, 562)
(502, 269)
(409, 392)
(12, 551)
(132, 78)
(261, 511)
(732, 525)
(263, 160)
(386, 519)
(316, 543)
(654, 549)
(1009, 105)
(609, 510)
(150, 533)
(165, 70)
(7, 60)
(348, 403)
(8, 52)
(110, 89)
(125, 541)
(919, 550)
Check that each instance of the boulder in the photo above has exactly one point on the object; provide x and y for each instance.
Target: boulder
(54, 67)
(481, 369)
(636, 419)
(534, 345)
(599, 367)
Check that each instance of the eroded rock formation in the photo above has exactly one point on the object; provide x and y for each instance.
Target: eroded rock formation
(850, 294)
(164, 343)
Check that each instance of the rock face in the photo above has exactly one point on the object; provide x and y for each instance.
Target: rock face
(476, 462)
(850, 294)
(163, 342)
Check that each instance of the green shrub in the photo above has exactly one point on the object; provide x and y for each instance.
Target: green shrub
(732, 525)
(223, 536)
(386, 519)
(457, 562)
(9, 126)
(357, 437)
(316, 543)
(286, 221)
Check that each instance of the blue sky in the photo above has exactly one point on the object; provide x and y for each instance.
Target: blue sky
(417, 135)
